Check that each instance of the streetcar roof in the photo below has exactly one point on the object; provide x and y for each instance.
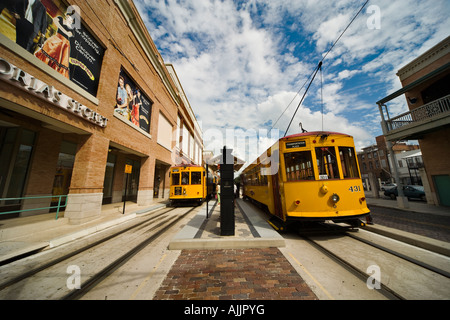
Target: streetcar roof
(187, 165)
(314, 133)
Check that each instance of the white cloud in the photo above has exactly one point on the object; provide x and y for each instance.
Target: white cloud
(345, 74)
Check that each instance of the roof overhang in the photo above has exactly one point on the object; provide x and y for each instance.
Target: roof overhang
(414, 84)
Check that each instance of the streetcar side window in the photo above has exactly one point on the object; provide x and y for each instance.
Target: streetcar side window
(175, 179)
(196, 178)
(348, 162)
(327, 163)
(185, 178)
(299, 166)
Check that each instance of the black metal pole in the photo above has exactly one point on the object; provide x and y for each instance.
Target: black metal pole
(125, 200)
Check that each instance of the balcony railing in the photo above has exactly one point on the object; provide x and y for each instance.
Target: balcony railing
(428, 111)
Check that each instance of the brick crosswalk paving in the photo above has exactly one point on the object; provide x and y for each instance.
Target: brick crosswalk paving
(239, 274)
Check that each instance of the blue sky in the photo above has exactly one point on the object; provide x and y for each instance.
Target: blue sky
(242, 63)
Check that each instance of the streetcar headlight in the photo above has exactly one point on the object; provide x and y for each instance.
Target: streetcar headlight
(335, 198)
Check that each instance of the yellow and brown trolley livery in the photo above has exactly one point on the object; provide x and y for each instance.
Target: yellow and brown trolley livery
(187, 184)
(311, 176)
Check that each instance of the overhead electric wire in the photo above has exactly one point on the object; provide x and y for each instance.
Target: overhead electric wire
(301, 100)
(319, 66)
(306, 81)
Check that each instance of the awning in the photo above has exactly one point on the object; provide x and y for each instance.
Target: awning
(414, 84)
(216, 160)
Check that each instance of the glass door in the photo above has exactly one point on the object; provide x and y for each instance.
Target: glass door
(109, 178)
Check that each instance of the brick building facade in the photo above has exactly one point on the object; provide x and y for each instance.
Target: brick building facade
(65, 128)
(375, 159)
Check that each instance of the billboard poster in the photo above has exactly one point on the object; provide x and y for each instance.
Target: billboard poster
(54, 33)
(132, 104)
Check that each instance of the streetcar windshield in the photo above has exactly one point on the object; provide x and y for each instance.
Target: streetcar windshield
(185, 177)
(348, 162)
(196, 178)
(327, 163)
(299, 166)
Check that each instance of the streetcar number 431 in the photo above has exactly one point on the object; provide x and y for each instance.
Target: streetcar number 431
(354, 189)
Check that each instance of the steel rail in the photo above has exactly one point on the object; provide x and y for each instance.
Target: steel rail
(402, 256)
(55, 261)
(108, 270)
(388, 292)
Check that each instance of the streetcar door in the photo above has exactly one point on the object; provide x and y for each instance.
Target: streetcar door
(277, 197)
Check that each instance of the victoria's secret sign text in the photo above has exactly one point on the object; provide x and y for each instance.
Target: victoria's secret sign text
(22, 79)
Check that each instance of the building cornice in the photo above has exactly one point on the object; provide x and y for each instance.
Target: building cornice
(425, 59)
(197, 130)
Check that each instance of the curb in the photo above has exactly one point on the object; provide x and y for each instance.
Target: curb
(266, 235)
(423, 242)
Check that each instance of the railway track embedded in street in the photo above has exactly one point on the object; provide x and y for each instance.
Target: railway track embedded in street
(97, 260)
(398, 270)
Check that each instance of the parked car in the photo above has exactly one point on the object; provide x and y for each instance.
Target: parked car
(410, 191)
(387, 186)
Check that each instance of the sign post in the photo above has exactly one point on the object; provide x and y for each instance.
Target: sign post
(128, 170)
(227, 223)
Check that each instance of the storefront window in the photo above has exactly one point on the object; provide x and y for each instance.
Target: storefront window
(15, 154)
(298, 166)
(327, 163)
(20, 171)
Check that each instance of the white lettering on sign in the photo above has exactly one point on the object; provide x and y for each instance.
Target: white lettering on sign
(22, 79)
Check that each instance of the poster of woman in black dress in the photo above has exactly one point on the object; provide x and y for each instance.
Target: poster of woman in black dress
(54, 33)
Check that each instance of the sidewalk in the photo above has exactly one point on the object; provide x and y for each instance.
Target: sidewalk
(251, 230)
(23, 235)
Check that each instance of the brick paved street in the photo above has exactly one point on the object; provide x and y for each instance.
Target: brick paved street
(227, 274)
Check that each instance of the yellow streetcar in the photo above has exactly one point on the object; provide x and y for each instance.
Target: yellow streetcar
(188, 184)
(311, 176)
